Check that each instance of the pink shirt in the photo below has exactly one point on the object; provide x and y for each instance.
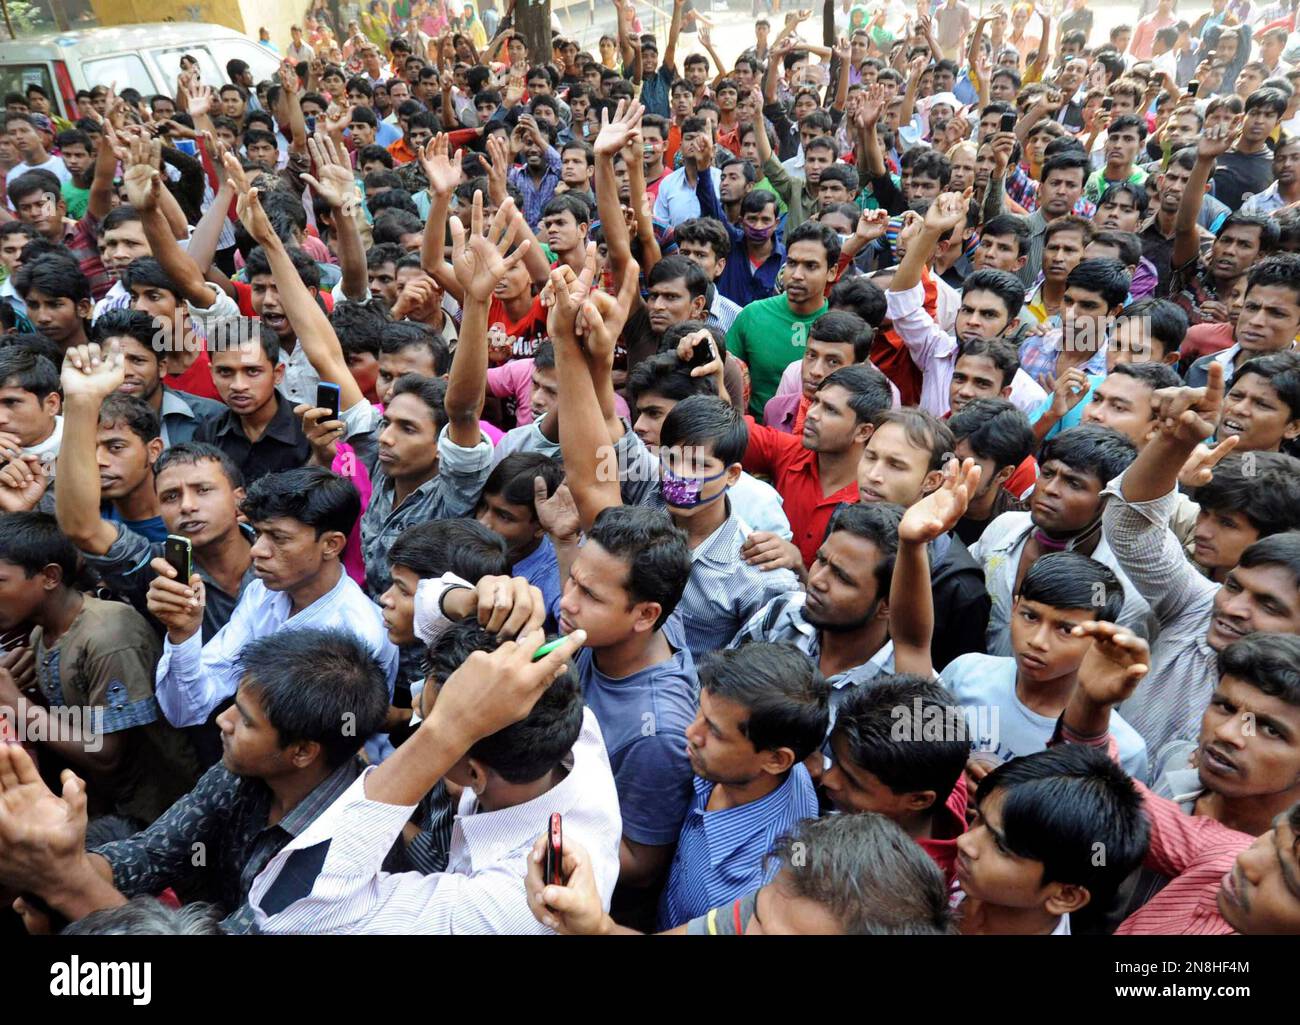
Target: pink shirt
(346, 464)
(515, 380)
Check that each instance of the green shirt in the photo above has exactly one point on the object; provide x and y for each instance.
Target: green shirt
(76, 200)
(1097, 183)
(769, 336)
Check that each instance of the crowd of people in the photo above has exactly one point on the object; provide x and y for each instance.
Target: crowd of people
(850, 487)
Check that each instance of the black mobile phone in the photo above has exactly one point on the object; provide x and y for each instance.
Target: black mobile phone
(1193, 87)
(554, 852)
(1107, 103)
(327, 397)
(1008, 121)
(179, 553)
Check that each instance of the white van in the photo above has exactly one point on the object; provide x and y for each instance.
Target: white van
(146, 57)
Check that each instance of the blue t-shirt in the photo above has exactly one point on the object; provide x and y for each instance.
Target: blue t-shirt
(542, 571)
(153, 528)
(1001, 724)
(643, 718)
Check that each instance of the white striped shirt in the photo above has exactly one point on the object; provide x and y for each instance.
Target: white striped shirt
(482, 891)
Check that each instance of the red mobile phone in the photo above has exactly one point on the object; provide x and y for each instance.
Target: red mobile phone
(554, 852)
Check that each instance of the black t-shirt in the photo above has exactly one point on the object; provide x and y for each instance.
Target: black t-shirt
(1238, 175)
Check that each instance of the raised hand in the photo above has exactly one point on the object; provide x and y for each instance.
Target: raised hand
(174, 603)
(322, 430)
(1216, 140)
(870, 108)
(1113, 665)
(947, 212)
(1067, 391)
(1190, 414)
(91, 373)
(335, 184)
(616, 132)
(40, 831)
(441, 172)
(289, 77)
(872, 225)
(142, 180)
(603, 316)
(201, 99)
(938, 512)
(480, 260)
(558, 514)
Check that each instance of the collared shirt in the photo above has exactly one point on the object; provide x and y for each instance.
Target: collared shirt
(1038, 355)
(125, 568)
(227, 815)
(723, 311)
(933, 350)
(450, 493)
(797, 475)
(300, 377)
(282, 446)
(781, 621)
(721, 854)
(193, 678)
(345, 889)
(1037, 222)
(1264, 202)
(182, 413)
(999, 550)
(1191, 286)
(723, 590)
(677, 200)
(81, 239)
(1184, 668)
(537, 193)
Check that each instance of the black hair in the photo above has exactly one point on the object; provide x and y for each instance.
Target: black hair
(876, 522)
(1137, 192)
(462, 546)
(127, 323)
(311, 495)
(309, 681)
(512, 478)
(1008, 225)
(933, 164)
(187, 453)
(132, 413)
(1072, 580)
(868, 389)
(1282, 371)
(1005, 285)
(1058, 805)
(1268, 99)
(1072, 159)
(859, 294)
(840, 327)
(1167, 320)
(400, 335)
(1279, 269)
(811, 231)
(675, 267)
(1269, 232)
(29, 182)
(665, 375)
(709, 423)
(1154, 375)
(392, 199)
(1108, 278)
(656, 553)
(33, 540)
(146, 271)
(843, 173)
(1129, 121)
(1268, 661)
(922, 429)
(53, 274)
(1090, 448)
(573, 203)
(1002, 352)
(307, 268)
(526, 750)
(868, 720)
(359, 327)
(1264, 487)
(788, 700)
(758, 200)
(27, 370)
(432, 391)
(994, 429)
(707, 231)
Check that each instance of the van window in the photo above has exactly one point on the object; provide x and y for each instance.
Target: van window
(15, 78)
(168, 62)
(121, 71)
(261, 61)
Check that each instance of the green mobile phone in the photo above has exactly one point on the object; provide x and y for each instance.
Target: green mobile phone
(547, 648)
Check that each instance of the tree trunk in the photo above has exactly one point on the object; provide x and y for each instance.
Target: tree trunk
(533, 22)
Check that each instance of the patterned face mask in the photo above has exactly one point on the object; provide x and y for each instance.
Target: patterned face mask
(684, 492)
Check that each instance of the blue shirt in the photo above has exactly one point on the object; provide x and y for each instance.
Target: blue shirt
(154, 529)
(655, 92)
(677, 200)
(541, 569)
(721, 854)
(643, 718)
(537, 194)
(740, 281)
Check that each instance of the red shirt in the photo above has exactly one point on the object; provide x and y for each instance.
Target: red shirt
(1022, 482)
(949, 824)
(1205, 338)
(796, 475)
(197, 379)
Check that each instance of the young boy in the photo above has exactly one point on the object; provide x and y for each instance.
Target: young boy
(94, 657)
(1031, 689)
(1030, 857)
(998, 437)
(1247, 498)
(507, 505)
(31, 427)
(58, 298)
(1262, 407)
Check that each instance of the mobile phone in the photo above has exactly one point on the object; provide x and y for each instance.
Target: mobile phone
(547, 648)
(1193, 87)
(187, 146)
(554, 852)
(327, 397)
(1008, 121)
(311, 124)
(702, 354)
(179, 553)
(1107, 103)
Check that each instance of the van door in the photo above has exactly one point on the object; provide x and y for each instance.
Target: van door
(120, 70)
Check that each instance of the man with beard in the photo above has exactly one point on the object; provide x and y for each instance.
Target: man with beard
(1285, 190)
(1062, 186)
(539, 176)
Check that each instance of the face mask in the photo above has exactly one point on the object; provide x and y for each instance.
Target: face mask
(684, 492)
(758, 234)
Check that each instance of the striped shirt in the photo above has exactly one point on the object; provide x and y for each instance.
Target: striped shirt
(1184, 668)
(723, 590)
(720, 854)
(342, 888)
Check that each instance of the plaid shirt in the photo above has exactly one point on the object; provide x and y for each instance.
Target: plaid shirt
(1024, 190)
(1038, 356)
(537, 194)
(81, 238)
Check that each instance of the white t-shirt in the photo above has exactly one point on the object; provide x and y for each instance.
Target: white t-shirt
(54, 165)
(1002, 725)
